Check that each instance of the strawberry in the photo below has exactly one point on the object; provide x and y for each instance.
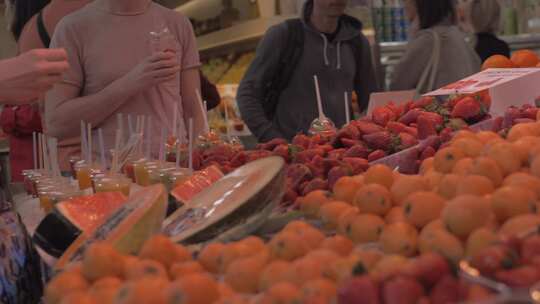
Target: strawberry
(347, 143)
(407, 141)
(359, 165)
(315, 184)
(410, 116)
(290, 197)
(510, 115)
(412, 131)
(530, 113)
(349, 132)
(367, 127)
(338, 172)
(379, 140)
(424, 102)
(497, 124)
(382, 115)
(283, 151)
(398, 110)
(239, 159)
(437, 119)
(375, 155)
(357, 151)
(467, 108)
(426, 127)
(446, 134)
(427, 153)
(336, 154)
(523, 120)
(395, 127)
(302, 141)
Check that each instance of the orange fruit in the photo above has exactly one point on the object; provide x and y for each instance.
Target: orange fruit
(448, 186)
(479, 294)
(480, 239)
(146, 269)
(463, 134)
(463, 166)
(78, 297)
(368, 257)
(62, 285)
(339, 244)
(225, 291)
(287, 246)
(511, 201)
(311, 203)
(236, 299)
(379, 174)
(243, 274)
(434, 225)
(311, 235)
(395, 215)
(281, 293)
(145, 290)
(252, 245)
(345, 188)
(524, 180)
(464, 214)
(160, 248)
(399, 238)
(211, 257)
(273, 273)
(489, 168)
(364, 228)
(524, 145)
(235, 251)
(297, 226)
(522, 130)
(406, 185)
(421, 208)
(105, 290)
(319, 288)
(346, 219)
(342, 268)
(427, 164)
(102, 260)
(488, 136)
(525, 59)
(193, 289)
(389, 265)
(535, 167)
(474, 185)
(331, 212)
(305, 269)
(446, 159)
(180, 270)
(520, 224)
(433, 178)
(497, 62)
(442, 242)
(507, 157)
(472, 147)
(373, 199)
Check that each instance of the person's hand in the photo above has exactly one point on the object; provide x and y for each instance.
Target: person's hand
(158, 68)
(28, 76)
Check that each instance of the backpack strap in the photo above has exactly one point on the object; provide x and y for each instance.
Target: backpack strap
(356, 44)
(289, 58)
(42, 30)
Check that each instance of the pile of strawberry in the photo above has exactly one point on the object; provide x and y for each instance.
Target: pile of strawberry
(514, 115)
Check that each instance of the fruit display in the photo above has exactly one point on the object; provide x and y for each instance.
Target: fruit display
(519, 59)
(237, 70)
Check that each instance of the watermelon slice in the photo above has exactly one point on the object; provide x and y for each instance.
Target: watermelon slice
(70, 218)
(229, 202)
(200, 180)
(127, 228)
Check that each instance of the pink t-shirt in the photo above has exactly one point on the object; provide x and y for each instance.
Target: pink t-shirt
(103, 47)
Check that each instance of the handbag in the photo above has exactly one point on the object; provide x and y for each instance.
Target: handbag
(429, 75)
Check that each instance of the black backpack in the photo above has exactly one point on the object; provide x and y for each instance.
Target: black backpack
(290, 58)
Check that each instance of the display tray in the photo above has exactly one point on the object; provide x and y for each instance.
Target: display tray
(236, 197)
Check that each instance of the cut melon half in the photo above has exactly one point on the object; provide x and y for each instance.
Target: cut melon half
(127, 228)
(228, 202)
(197, 182)
(72, 217)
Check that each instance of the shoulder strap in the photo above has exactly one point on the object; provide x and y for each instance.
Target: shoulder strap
(42, 31)
(356, 45)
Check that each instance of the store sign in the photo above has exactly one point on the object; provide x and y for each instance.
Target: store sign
(506, 87)
(382, 98)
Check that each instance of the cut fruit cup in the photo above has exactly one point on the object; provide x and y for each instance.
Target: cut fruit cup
(113, 183)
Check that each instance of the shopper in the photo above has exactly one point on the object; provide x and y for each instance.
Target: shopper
(116, 68)
(437, 54)
(32, 21)
(484, 17)
(277, 95)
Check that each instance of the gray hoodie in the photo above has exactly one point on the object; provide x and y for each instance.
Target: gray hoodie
(334, 64)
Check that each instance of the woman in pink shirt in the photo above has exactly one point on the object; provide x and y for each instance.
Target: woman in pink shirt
(32, 21)
(117, 67)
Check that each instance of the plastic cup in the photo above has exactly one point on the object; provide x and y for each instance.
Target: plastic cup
(114, 183)
(176, 176)
(129, 170)
(83, 174)
(73, 160)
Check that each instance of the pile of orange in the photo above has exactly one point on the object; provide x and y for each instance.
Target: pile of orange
(519, 59)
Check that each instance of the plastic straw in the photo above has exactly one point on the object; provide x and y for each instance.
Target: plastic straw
(227, 125)
(319, 100)
(149, 138)
(116, 152)
(90, 147)
(53, 148)
(347, 109)
(190, 150)
(46, 163)
(102, 149)
(40, 151)
(120, 120)
(130, 126)
(204, 113)
(175, 120)
(34, 149)
(84, 142)
(162, 145)
(143, 136)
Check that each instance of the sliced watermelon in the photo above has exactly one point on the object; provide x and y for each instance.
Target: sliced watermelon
(200, 180)
(127, 228)
(72, 217)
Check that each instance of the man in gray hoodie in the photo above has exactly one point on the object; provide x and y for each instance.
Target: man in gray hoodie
(328, 52)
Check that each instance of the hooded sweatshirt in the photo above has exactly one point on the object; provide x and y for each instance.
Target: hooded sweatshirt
(332, 61)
